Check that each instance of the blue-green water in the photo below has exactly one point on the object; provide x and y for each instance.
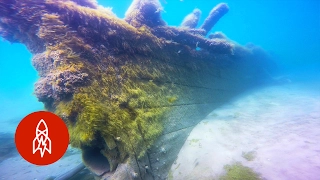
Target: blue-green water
(289, 29)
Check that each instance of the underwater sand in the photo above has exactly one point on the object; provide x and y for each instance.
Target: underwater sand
(17, 168)
(278, 125)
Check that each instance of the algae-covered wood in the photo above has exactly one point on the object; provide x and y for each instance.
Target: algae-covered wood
(129, 91)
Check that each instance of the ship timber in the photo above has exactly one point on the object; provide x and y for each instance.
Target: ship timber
(130, 90)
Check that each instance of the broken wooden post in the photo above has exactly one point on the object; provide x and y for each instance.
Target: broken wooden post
(215, 14)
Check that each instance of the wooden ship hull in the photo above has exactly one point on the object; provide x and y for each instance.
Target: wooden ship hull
(129, 90)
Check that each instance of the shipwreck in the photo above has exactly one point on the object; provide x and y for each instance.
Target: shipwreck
(130, 90)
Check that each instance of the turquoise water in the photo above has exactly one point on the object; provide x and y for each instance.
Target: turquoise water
(289, 29)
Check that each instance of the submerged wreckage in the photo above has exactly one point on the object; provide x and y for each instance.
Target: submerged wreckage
(130, 90)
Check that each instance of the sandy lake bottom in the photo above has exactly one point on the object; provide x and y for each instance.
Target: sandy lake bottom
(273, 130)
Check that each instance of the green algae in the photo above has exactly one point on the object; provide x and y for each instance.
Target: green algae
(122, 104)
(172, 99)
(237, 171)
(249, 156)
(194, 142)
(119, 108)
(126, 114)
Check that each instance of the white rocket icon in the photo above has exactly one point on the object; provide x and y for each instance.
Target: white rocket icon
(42, 141)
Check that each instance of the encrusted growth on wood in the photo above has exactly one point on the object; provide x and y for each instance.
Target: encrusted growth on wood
(113, 80)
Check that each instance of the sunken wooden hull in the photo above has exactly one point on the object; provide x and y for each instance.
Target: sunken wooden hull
(129, 93)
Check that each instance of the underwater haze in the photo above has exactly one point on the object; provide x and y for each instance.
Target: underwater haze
(273, 129)
(288, 29)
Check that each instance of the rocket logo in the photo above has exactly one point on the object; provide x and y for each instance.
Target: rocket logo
(42, 138)
(42, 141)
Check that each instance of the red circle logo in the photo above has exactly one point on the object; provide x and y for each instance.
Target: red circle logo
(42, 138)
